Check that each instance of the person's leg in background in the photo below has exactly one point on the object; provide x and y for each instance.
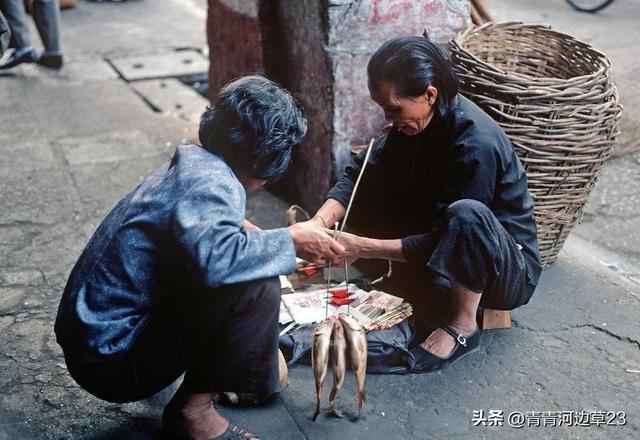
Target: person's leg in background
(46, 14)
(16, 16)
(5, 34)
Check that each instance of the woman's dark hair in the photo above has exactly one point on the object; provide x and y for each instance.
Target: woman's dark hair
(411, 64)
(253, 125)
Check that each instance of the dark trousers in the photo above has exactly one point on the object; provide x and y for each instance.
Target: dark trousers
(225, 339)
(472, 248)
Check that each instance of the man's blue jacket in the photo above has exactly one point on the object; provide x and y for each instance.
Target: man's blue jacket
(179, 232)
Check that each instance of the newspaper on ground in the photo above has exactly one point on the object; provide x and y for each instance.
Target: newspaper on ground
(311, 307)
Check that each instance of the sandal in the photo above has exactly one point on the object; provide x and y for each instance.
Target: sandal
(426, 362)
(178, 430)
(233, 432)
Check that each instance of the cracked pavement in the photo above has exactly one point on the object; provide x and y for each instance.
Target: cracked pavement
(73, 143)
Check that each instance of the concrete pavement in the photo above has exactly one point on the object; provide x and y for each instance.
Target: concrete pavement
(73, 143)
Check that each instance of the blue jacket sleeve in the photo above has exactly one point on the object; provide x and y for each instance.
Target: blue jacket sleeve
(208, 227)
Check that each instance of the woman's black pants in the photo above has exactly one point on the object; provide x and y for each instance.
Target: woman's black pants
(225, 339)
(472, 248)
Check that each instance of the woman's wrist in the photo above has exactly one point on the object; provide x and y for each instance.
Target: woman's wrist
(383, 249)
(328, 214)
(320, 220)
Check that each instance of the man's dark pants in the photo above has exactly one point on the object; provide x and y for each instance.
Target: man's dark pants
(225, 339)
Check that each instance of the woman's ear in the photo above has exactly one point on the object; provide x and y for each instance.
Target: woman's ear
(431, 94)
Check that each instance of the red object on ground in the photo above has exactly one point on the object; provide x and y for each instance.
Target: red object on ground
(339, 292)
(340, 301)
(310, 271)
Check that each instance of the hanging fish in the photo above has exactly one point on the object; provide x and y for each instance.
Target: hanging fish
(320, 357)
(339, 363)
(357, 347)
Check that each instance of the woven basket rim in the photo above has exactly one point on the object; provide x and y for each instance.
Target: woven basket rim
(562, 126)
(459, 40)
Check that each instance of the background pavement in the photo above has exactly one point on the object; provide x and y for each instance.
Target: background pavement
(72, 143)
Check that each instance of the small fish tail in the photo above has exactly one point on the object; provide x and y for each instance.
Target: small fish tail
(360, 399)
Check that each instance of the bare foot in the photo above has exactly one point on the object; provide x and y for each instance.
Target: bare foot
(464, 305)
(441, 343)
(194, 414)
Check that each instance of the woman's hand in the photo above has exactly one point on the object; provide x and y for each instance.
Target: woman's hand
(313, 245)
(357, 247)
(249, 226)
(354, 245)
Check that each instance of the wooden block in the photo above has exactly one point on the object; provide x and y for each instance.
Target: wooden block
(64, 4)
(495, 319)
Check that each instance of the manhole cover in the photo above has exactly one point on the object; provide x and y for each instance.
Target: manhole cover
(172, 64)
(171, 96)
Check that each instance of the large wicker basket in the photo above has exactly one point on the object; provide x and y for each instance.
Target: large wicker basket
(554, 97)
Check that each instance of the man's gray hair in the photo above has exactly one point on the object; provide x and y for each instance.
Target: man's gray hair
(254, 125)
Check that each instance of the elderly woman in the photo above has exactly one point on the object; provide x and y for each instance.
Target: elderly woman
(443, 192)
(176, 280)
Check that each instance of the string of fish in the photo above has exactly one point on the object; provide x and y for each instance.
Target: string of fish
(335, 336)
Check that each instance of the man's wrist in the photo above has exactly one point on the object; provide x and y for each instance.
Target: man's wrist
(293, 232)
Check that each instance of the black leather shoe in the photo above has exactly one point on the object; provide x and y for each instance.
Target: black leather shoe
(13, 60)
(50, 61)
(426, 362)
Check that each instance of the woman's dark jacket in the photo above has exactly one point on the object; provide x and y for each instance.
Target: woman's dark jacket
(410, 180)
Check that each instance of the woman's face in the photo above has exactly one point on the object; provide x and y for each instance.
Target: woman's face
(408, 114)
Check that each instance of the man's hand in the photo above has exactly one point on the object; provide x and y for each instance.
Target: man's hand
(313, 245)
